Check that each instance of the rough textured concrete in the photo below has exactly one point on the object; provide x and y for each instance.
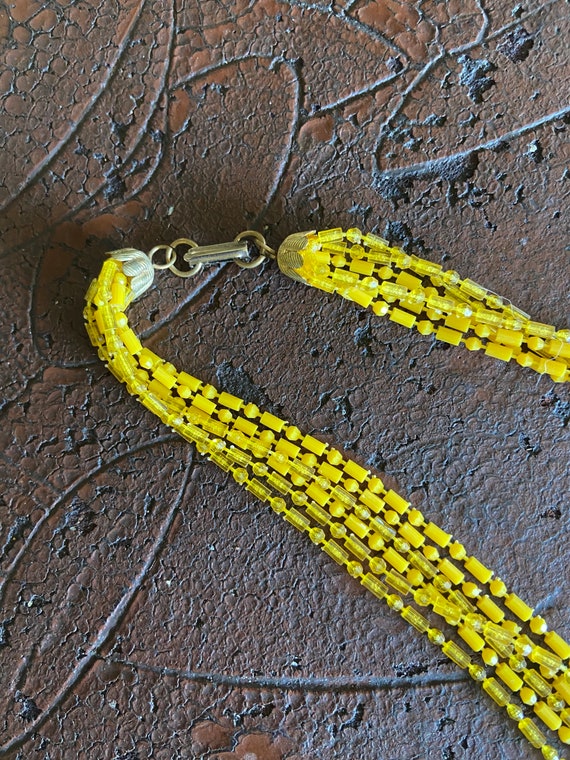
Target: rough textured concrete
(149, 608)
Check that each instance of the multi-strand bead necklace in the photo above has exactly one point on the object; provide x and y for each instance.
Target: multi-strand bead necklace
(419, 570)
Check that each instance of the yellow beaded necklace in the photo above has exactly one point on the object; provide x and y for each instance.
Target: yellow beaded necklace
(412, 564)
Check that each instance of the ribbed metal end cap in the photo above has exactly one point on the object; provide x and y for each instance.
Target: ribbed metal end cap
(138, 267)
(289, 257)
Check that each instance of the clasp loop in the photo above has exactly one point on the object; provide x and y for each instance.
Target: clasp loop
(248, 250)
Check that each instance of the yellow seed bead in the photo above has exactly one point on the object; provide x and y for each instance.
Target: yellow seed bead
(498, 588)
(490, 657)
(395, 602)
(431, 553)
(334, 457)
(436, 636)
(528, 696)
(515, 712)
(375, 485)
(549, 753)
(293, 433)
(564, 734)
(477, 672)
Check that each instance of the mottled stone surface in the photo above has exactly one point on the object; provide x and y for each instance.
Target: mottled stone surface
(148, 606)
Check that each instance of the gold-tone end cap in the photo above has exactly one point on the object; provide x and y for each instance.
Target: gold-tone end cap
(289, 256)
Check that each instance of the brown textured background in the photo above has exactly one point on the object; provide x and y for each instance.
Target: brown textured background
(149, 607)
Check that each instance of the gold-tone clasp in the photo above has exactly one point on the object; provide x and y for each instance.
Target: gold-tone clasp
(248, 250)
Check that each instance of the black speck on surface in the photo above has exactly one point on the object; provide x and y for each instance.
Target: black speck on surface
(29, 711)
(394, 64)
(534, 151)
(235, 380)
(517, 45)
(115, 187)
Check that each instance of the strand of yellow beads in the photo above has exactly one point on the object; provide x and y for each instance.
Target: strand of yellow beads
(412, 564)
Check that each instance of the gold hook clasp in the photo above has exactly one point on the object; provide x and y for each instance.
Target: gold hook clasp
(248, 250)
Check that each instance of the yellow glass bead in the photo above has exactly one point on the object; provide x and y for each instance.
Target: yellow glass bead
(356, 547)
(508, 676)
(362, 512)
(477, 672)
(498, 588)
(431, 553)
(489, 656)
(515, 712)
(370, 284)
(279, 505)
(547, 659)
(354, 235)
(447, 610)
(425, 327)
(442, 583)
(427, 568)
(537, 682)
(395, 602)
(318, 513)
(414, 618)
(528, 696)
(549, 753)
(380, 308)
(436, 637)
(398, 582)
(378, 588)
(557, 644)
(334, 457)
(329, 236)
(496, 691)
(401, 546)
(335, 552)
(293, 433)
(240, 475)
(422, 597)
(532, 733)
(415, 577)
(555, 702)
(377, 565)
(517, 663)
(317, 535)
(338, 530)
(355, 569)
(456, 654)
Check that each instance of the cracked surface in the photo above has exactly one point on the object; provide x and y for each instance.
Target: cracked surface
(146, 603)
